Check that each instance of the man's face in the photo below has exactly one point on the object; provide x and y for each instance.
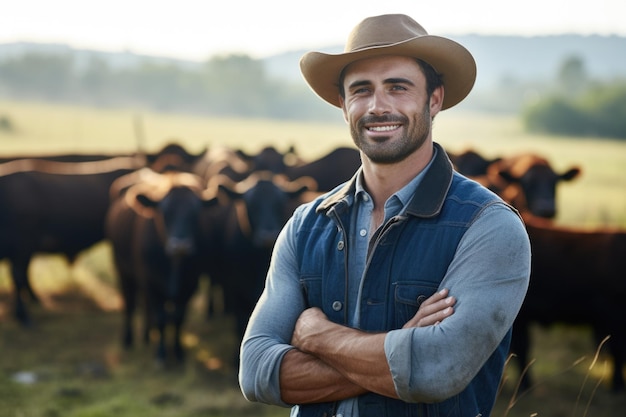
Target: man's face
(386, 107)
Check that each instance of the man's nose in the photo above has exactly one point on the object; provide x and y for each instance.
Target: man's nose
(379, 103)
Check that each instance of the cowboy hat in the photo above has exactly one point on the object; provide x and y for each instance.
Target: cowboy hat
(392, 34)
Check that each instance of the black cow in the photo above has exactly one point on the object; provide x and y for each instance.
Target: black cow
(154, 231)
(49, 206)
(528, 182)
(471, 163)
(577, 277)
(330, 170)
(52, 211)
(242, 231)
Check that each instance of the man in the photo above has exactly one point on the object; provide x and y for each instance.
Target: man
(394, 294)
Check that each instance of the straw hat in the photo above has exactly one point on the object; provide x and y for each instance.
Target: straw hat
(393, 34)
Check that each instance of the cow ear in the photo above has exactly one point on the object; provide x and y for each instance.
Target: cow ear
(571, 174)
(243, 155)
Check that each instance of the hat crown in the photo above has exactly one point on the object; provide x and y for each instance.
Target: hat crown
(383, 30)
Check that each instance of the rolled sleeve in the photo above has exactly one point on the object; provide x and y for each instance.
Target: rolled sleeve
(489, 277)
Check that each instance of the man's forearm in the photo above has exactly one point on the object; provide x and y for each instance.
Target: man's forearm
(358, 356)
(306, 379)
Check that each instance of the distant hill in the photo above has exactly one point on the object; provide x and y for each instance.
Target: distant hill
(510, 68)
(497, 57)
(511, 57)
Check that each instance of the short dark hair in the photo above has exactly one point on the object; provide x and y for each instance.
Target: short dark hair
(433, 78)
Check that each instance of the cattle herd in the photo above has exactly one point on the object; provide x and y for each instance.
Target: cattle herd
(173, 216)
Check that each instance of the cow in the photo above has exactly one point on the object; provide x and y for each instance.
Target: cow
(577, 277)
(153, 227)
(528, 182)
(52, 211)
(48, 206)
(237, 164)
(242, 231)
(471, 163)
(330, 170)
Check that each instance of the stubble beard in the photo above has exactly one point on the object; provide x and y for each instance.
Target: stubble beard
(385, 150)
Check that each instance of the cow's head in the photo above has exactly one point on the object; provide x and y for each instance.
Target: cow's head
(264, 203)
(174, 203)
(531, 184)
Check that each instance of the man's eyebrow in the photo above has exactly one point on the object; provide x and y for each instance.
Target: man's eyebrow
(359, 83)
(394, 80)
(398, 81)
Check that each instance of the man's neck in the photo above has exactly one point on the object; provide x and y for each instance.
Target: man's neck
(383, 180)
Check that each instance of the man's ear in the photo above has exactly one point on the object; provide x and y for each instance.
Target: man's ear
(343, 108)
(436, 101)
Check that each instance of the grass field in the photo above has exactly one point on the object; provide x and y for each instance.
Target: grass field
(597, 197)
(71, 364)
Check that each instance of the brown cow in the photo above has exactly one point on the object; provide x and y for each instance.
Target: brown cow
(528, 182)
(577, 277)
(154, 229)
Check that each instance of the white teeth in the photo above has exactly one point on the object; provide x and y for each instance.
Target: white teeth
(383, 128)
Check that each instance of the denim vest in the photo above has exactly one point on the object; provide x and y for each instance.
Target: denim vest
(406, 264)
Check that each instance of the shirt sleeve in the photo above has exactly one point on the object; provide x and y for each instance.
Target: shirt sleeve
(489, 277)
(271, 324)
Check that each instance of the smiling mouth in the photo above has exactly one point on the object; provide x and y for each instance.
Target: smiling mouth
(383, 128)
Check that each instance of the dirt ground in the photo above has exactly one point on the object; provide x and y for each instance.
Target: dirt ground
(75, 343)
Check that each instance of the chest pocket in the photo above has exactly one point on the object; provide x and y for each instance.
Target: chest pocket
(408, 296)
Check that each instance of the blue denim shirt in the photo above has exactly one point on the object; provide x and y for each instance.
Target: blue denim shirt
(490, 264)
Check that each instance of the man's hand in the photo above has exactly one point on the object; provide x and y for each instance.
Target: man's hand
(310, 323)
(433, 310)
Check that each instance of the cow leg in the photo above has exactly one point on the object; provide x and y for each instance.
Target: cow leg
(179, 319)
(19, 271)
(160, 322)
(129, 292)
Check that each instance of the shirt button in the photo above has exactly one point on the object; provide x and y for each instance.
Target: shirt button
(363, 232)
(337, 305)
(340, 245)
(366, 197)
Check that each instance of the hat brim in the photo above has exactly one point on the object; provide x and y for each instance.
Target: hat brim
(450, 59)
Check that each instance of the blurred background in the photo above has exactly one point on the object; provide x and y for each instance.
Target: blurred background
(122, 77)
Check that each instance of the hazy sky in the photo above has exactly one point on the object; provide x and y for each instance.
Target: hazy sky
(198, 29)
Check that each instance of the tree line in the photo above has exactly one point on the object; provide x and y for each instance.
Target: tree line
(578, 106)
(239, 86)
(234, 85)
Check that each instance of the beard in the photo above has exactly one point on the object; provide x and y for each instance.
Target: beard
(387, 151)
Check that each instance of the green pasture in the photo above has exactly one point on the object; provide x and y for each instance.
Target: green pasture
(596, 198)
(71, 364)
